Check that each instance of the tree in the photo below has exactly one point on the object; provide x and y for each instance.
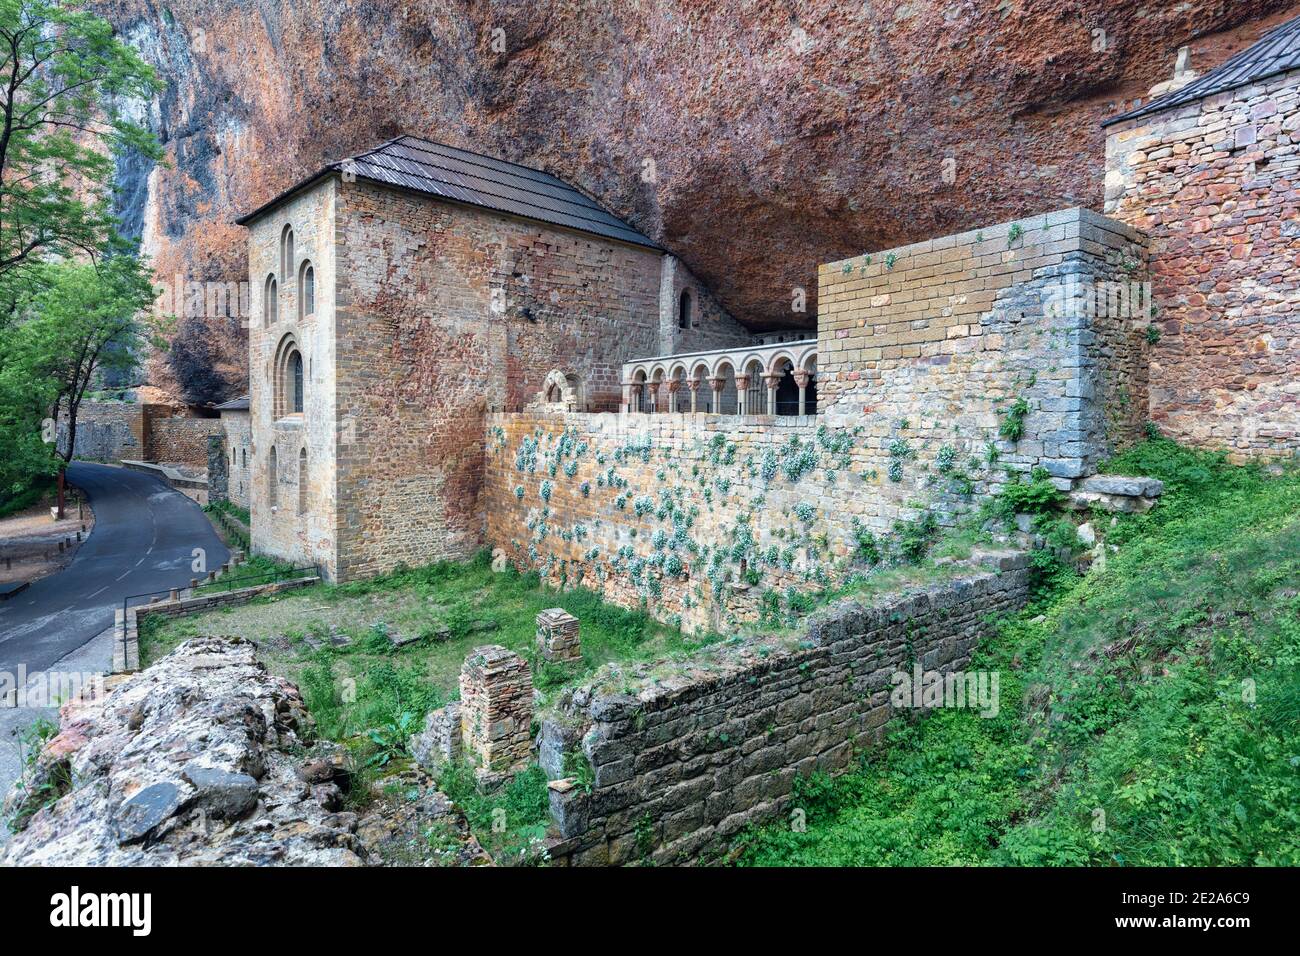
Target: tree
(84, 319)
(64, 78)
(64, 81)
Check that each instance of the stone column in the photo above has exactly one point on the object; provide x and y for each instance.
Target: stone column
(802, 378)
(771, 380)
(557, 635)
(654, 395)
(715, 384)
(627, 395)
(742, 394)
(694, 385)
(496, 700)
(673, 386)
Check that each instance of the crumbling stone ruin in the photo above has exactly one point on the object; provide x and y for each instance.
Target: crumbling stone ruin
(496, 707)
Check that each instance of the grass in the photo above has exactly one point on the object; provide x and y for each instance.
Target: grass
(1150, 710)
(371, 695)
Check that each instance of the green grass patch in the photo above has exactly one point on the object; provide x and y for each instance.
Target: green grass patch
(1150, 711)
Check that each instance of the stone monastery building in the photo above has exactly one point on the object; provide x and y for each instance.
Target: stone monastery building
(453, 352)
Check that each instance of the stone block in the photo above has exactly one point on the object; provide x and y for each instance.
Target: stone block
(558, 636)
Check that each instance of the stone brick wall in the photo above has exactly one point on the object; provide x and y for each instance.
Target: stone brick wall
(946, 334)
(712, 327)
(685, 755)
(1213, 183)
(107, 431)
(238, 429)
(447, 311)
(923, 352)
(181, 441)
(308, 535)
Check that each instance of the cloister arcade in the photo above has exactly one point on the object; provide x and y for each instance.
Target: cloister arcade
(779, 379)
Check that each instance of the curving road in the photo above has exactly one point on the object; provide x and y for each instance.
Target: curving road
(143, 540)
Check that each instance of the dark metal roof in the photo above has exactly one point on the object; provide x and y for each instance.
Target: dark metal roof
(240, 404)
(1275, 52)
(410, 162)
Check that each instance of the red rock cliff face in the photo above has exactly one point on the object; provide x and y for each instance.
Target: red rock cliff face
(754, 139)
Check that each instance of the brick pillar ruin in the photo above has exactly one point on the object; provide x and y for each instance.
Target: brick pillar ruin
(557, 636)
(496, 700)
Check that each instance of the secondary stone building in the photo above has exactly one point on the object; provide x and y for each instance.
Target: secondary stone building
(398, 297)
(1210, 171)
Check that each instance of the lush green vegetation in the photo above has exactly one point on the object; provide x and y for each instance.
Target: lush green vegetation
(72, 290)
(1150, 710)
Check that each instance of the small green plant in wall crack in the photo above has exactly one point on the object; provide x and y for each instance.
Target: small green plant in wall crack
(1013, 423)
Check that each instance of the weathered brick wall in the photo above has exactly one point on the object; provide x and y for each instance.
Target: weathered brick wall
(1213, 183)
(946, 334)
(182, 441)
(445, 312)
(684, 755)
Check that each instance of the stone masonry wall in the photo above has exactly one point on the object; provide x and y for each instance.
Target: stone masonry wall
(711, 326)
(923, 353)
(307, 535)
(946, 334)
(1214, 185)
(239, 445)
(444, 313)
(182, 441)
(107, 431)
(685, 755)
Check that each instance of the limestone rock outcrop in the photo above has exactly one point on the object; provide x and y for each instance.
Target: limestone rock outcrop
(754, 141)
(195, 761)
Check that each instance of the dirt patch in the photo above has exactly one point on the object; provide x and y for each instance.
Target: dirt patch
(29, 540)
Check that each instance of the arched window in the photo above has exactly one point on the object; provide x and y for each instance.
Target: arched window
(684, 310)
(288, 392)
(286, 252)
(271, 301)
(306, 290)
(272, 480)
(302, 481)
(295, 368)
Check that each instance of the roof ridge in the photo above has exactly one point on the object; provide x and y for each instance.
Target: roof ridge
(1266, 54)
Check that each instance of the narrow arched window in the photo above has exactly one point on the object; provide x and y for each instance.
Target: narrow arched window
(271, 303)
(295, 363)
(684, 310)
(302, 481)
(272, 481)
(286, 252)
(306, 291)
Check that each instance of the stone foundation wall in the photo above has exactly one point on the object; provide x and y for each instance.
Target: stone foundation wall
(682, 756)
(1214, 185)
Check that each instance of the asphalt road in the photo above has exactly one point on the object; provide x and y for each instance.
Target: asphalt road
(143, 540)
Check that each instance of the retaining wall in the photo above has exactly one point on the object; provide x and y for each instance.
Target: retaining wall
(683, 755)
